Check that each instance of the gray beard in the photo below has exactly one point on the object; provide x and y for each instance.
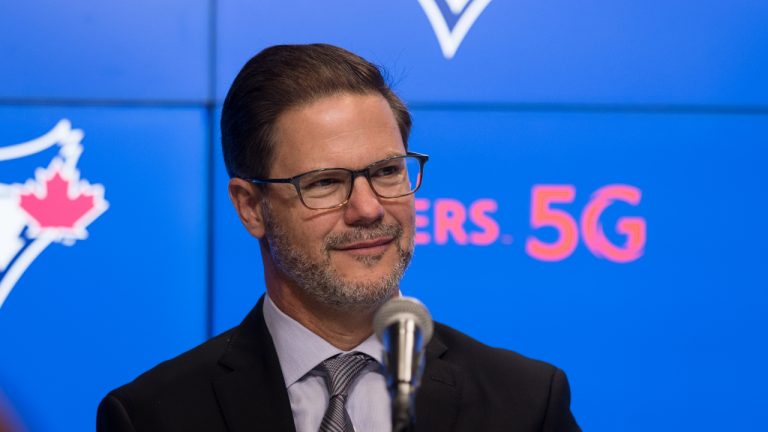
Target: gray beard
(321, 282)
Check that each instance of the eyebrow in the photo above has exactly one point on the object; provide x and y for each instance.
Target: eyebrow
(388, 156)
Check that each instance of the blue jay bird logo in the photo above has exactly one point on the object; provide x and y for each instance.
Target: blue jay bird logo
(55, 206)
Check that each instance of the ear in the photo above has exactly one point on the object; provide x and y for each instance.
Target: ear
(246, 197)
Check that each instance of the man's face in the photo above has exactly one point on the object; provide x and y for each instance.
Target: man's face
(354, 255)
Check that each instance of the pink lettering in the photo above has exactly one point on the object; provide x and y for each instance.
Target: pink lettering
(450, 216)
(478, 214)
(421, 221)
(634, 228)
(542, 215)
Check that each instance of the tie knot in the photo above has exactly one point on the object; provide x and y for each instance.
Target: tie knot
(340, 371)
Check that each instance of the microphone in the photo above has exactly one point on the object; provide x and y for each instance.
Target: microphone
(405, 327)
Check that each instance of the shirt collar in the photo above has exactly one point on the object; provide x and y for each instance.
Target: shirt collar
(300, 350)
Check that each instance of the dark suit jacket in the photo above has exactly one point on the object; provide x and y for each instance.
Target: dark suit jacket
(234, 383)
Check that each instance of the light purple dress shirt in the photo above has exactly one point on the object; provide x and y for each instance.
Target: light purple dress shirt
(300, 351)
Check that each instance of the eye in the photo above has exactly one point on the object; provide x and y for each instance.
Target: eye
(324, 181)
(391, 169)
(320, 183)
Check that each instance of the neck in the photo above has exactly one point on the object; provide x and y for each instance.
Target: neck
(343, 328)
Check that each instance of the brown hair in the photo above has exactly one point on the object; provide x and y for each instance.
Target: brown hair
(285, 76)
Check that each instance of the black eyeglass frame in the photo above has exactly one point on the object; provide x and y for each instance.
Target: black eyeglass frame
(422, 158)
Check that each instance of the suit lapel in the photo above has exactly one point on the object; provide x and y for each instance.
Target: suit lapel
(252, 396)
(438, 398)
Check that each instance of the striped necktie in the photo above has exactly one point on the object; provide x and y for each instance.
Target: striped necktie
(340, 372)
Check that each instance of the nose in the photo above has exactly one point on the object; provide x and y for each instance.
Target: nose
(364, 206)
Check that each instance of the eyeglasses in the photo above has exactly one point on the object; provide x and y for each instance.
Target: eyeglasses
(329, 188)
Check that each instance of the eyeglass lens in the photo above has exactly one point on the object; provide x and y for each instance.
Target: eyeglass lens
(390, 178)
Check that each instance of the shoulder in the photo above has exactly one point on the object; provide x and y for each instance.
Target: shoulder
(168, 391)
(503, 389)
(470, 354)
(511, 378)
(188, 369)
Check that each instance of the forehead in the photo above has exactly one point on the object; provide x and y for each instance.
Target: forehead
(344, 130)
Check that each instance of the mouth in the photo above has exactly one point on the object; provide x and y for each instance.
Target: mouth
(367, 247)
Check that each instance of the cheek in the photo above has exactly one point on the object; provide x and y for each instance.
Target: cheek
(405, 214)
(314, 231)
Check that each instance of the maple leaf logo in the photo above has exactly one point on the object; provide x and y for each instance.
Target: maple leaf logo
(59, 205)
(57, 209)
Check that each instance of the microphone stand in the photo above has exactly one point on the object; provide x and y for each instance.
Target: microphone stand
(405, 365)
(402, 412)
(404, 326)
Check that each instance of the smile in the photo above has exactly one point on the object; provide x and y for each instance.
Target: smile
(372, 247)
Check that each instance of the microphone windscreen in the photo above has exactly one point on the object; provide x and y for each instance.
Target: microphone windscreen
(400, 308)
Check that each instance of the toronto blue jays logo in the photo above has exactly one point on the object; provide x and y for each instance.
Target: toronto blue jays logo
(461, 13)
(55, 206)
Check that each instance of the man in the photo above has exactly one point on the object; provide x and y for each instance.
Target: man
(315, 144)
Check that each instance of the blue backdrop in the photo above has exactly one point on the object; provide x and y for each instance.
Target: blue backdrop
(612, 226)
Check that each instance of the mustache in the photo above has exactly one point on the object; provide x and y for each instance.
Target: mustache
(358, 234)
